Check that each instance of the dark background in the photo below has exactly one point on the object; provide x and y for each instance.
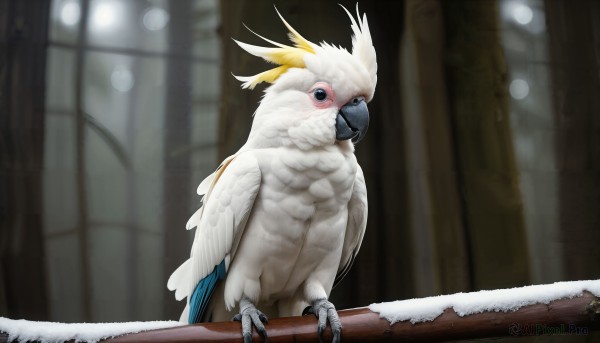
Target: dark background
(482, 160)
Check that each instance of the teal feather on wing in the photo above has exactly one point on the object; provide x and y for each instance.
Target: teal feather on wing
(202, 293)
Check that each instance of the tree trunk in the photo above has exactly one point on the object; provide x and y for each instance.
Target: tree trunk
(436, 223)
(479, 110)
(574, 32)
(23, 39)
(177, 137)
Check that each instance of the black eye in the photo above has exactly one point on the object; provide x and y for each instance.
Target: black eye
(320, 94)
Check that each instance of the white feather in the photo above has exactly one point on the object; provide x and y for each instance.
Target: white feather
(258, 51)
(357, 220)
(222, 216)
(247, 80)
(205, 184)
(179, 279)
(362, 45)
(194, 219)
(266, 39)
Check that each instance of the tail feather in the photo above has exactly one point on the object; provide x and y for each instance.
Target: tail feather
(198, 301)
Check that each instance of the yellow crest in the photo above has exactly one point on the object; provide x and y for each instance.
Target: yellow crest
(284, 55)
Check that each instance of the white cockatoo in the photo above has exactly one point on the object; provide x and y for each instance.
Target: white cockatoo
(282, 219)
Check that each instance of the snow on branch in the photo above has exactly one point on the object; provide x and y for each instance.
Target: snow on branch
(49, 332)
(565, 308)
(497, 300)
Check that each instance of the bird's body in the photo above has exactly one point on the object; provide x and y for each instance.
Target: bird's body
(295, 232)
(293, 195)
(282, 219)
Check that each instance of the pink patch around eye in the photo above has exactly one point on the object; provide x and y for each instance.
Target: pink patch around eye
(328, 101)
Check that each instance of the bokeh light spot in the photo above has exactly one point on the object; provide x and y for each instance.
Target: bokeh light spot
(519, 89)
(122, 79)
(155, 19)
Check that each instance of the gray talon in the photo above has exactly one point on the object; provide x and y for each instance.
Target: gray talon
(263, 318)
(325, 312)
(250, 316)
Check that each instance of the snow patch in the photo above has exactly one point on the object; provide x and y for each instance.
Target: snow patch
(49, 332)
(498, 300)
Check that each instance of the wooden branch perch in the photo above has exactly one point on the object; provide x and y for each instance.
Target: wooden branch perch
(574, 316)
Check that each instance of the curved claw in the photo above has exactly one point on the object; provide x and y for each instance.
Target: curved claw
(326, 312)
(249, 316)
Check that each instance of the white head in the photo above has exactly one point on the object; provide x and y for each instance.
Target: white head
(318, 92)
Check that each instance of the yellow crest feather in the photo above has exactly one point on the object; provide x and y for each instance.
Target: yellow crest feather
(299, 41)
(283, 55)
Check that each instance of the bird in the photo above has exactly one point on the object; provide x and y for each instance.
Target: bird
(281, 220)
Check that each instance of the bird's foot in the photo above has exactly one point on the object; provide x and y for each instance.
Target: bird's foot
(324, 310)
(249, 316)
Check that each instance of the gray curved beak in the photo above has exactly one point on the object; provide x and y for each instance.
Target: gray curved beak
(352, 121)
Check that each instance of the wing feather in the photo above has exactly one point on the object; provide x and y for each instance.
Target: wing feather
(221, 221)
(357, 224)
(205, 184)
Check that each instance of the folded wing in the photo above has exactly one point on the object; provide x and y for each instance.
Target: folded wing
(357, 223)
(229, 196)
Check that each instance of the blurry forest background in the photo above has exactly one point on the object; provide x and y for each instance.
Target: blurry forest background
(482, 160)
